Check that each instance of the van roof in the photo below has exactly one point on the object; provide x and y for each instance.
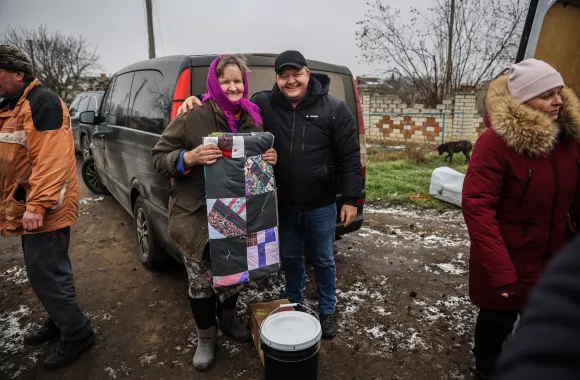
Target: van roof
(254, 59)
(91, 92)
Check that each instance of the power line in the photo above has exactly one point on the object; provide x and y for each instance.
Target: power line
(158, 26)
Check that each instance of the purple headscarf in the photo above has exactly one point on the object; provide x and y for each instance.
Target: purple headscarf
(228, 107)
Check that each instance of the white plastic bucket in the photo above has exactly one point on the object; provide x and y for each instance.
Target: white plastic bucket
(290, 342)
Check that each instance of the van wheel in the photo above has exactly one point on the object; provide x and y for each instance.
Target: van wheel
(91, 178)
(85, 147)
(147, 250)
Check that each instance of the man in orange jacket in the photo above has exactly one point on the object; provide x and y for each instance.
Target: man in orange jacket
(39, 199)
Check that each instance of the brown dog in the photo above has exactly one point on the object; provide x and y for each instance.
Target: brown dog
(455, 147)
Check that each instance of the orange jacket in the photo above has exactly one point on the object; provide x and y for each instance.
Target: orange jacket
(37, 162)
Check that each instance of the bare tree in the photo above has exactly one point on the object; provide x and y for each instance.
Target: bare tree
(456, 43)
(59, 61)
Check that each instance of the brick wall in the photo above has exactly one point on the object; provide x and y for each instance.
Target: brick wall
(388, 119)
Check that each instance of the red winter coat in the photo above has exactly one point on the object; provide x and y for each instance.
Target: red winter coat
(523, 179)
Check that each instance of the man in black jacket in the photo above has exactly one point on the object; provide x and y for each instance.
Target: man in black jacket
(317, 143)
(546, 344)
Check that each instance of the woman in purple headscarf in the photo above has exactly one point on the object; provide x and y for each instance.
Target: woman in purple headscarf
(180, 155)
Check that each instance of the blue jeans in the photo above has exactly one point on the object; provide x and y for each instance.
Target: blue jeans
(317, 229)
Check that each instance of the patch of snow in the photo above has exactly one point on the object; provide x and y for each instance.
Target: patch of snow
(408, 340)
(12, 343)
(452, 268)
(381, 311)
(434, 241)
(376, 332)
(147, 358)
(448, 216)
(430, 241)
(350, 302)
(231, 346)
(16, 275)
(370, 231)
(86, 200)
(456, 312)
(111, 372)
(429, 270)
(126, 370)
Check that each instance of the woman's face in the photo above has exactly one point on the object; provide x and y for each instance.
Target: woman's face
(549, 102)
(232, 83)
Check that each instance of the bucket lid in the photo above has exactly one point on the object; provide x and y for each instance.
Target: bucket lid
(290, 331)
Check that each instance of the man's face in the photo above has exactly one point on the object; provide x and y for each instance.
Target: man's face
(293, 83)
(10, 83)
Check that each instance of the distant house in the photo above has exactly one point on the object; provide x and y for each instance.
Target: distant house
(94, 83)
(88, 83)
(367, 81)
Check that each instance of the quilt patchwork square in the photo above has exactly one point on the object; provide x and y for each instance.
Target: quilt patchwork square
(259, 176)
(228, 256)
(262, 212)
(230, 145)
(263, 248)
(226, 217)
(225, 179)
(230, 280)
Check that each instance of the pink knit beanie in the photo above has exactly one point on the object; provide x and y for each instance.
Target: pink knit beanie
(531, 78)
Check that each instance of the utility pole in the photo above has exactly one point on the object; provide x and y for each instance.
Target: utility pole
(31, 47)
(149, 9)
(450, 49)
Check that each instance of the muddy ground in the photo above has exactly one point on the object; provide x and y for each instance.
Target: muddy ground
(402, 304)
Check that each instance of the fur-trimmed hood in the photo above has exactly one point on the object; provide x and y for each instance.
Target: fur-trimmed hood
(525, 130)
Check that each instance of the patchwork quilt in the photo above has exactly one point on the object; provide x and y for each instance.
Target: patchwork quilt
(242, 209)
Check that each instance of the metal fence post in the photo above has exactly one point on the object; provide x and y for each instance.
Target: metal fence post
(443, 131)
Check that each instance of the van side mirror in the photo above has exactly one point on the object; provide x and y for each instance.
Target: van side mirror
(87, 117)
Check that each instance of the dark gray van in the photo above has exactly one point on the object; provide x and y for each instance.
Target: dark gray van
(139, 103)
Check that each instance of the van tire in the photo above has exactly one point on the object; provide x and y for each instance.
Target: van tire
(148, 251)
(85, 147)
(91, 178)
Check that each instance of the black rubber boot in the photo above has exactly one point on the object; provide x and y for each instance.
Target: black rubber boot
(48, 332)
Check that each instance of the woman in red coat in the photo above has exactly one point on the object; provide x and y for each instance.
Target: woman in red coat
(521, 185)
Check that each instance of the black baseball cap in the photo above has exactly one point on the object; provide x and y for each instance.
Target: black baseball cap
(290, 58)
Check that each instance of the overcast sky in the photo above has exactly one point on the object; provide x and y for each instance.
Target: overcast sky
(323, 30)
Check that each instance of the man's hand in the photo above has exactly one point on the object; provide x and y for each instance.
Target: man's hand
(189, 104)
(347, 214)
(202, 155)
(32, 222)
(270, 156)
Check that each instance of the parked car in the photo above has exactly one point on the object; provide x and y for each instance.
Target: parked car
(85, 101)
(139, 103)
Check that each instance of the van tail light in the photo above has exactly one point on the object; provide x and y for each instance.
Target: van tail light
(361, 131)
(182, 91)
